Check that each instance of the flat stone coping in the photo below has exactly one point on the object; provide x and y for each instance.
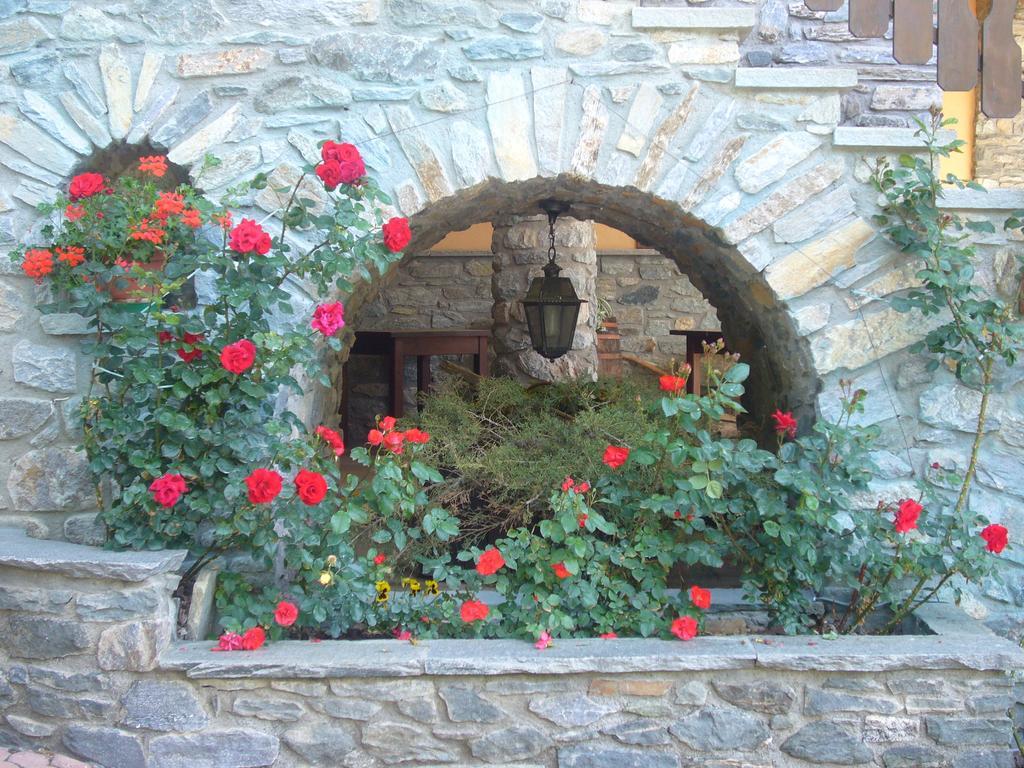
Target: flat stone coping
(993, 200)
(883, 138)
(960, 644)
(18, 550)
(694, 18)
(780, 78)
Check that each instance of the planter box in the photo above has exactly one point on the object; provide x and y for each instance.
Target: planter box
(90, 667)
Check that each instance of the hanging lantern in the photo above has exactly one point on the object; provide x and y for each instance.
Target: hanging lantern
(551, 304)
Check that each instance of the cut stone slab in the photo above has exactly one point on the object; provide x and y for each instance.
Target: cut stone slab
(40, 110)
(163, 706)
(320, 745)
(515, 743)
(230, 748)
(615, 757)
(421, 154)
(973, 199)
(650, 167)
(770, 698)
(467, 706)
(151, 63)
(21, 34)
(774, 159)
(235, 61)
(117, 85)
(397, 742)
(642, 114)
(572, 710)
(867, 338)
(591, 133)
(714, 171)
(508, 118)
(694, 18)
(29, 141)
(51, 479)
(20, 416)
(786, 78)
(85, 120)
(815, 217)
(36, 637)
(815, 263)
(882, 137)
(19, 551)
(550, 89)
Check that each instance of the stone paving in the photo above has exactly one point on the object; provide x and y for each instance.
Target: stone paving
(19, 759)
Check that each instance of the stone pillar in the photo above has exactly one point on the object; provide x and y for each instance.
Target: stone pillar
(520, 247)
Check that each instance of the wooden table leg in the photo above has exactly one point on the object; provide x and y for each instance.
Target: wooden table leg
(397, 378)
(483, 360)
(422, 375)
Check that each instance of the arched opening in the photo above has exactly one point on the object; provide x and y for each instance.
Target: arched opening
(754, 323)
(120, 158)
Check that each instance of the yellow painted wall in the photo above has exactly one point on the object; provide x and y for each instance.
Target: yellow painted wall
(478, 238)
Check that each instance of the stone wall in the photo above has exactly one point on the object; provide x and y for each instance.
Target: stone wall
(88, 665)
(999, 144)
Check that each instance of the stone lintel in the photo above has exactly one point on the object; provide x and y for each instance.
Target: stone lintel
(694, 18)
(786, 78)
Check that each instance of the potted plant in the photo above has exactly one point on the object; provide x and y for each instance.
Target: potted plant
(609, 348)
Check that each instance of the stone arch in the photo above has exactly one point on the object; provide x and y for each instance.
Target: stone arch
(755, 323)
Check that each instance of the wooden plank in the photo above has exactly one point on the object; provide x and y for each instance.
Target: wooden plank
(912, 32)
(824, 5)
(1000, 73)
(958, 46)
(869, 18)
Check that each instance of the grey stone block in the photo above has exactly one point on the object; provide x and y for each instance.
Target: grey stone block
(826, 702)
(914, 756)
(719, 728)
(570, 710)
(466, 705)
(770, 698)
(45, 367)
(516, 743)
(268, 709)
(34, 637)
(163, 706)
(117, 606)
(107, 747)
(229, 748)
(615, 757)
(320, 745)
(961, 731)
(821, 738)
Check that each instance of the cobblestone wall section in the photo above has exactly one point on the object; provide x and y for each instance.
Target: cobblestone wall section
(88, 666)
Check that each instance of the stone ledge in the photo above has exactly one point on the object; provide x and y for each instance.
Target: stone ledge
(883, 138)
(18, 550)
(65, 324)
(973, 200)
(787, 78)
(961, 644)
(694, 18)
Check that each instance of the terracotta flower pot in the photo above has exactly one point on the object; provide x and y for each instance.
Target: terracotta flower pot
(127, 290)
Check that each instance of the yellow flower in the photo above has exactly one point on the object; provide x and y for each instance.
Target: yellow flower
(432, 588)
(326, 578)
(383, 591)
(411, 584)
(332, 559)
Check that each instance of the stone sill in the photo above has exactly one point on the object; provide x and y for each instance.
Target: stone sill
(973, 200)
(694, 18)
(882, 138)
(787, 78)
(960, 643)
(18, 550)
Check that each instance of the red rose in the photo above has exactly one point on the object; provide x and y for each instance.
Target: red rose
(568, 484)
(86, 185)
(417, 436)
(685, 628)
(74, 212)
(379, 559)
(332, 438)
(396, 234)
(785, 424)
(387, 423)
(375, 437)
(608, 636)
(167, 489)
(995, 537)
(582, 488)
(615, 456)
(701, 598)
(253, 639)
(286, 613)
(907, 514)
(238, 357)
(249, 236)
(310, 486)
(490, 562)
(473, 610)
(561, 571)
(350, 166)
(229, 641)
(393, 441)
(328, 318)
(582, 519)
(165, 337)
(263, 485)
(329, 172)
(673, 384)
